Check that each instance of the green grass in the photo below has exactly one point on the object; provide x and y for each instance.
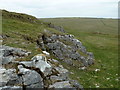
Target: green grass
(100, 37)
(105, 26)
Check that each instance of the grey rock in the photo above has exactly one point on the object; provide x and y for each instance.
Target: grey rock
(14, 51)
(6, 60)
(69, 61)
(61, 70)
(11, 88)
(38, 72)
(63, 73)
(26, 63)
(54, 62)
(40, 43)
(63, 84)
(9, 54)
(83, 49)
(83, 60)
(90, 54)
(59, 28)
(54, 37)
(67, 47)
(76, 84)
(54, 46)
(90, 60)
(35, 86)
(30, 77)
(9, 77)
(58, 54)
(39, 61)
(75, 56)
(54, 78)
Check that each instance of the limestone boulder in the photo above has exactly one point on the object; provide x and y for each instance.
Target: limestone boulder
(39, 62)
(30, 77)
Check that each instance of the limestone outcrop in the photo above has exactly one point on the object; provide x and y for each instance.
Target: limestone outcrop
(40, 72)
(67, 49)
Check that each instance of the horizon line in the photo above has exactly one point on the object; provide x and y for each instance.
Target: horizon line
(82, 17)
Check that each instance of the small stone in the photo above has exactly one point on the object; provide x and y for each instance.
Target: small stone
(46, 53)
(96, 70)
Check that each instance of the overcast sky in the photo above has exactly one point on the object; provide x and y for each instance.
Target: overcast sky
(63, 8)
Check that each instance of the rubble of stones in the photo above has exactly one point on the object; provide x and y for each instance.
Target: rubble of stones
(39, 72)
(67, 49)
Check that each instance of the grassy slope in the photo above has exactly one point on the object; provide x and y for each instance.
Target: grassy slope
(100, 37)
(20, 28)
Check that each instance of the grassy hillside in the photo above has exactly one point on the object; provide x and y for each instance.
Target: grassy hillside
(100, 37)
(22, 31)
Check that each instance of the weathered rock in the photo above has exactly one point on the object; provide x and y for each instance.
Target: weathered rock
(61, 70)
(54, 62)
(30, 77)
(90, 54)
(6, 60)
(75, 56)
(63, 73)
(35, 86)
(9, 77)
(26, 63)
(58, 54)
(63, 84)
(37, 73)
(14, 51)
(69, 61)
(9, 54)
(84, 61)
(66, 47)
(76, 84)
(41, 43)
(11, 88)
(59, 28)
(90, 60)
(4, 36)
(39, 61)
(58, 78)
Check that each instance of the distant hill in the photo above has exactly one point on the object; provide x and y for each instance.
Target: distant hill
(109, 26)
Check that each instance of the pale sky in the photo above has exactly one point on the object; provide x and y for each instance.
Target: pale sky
(63, 8)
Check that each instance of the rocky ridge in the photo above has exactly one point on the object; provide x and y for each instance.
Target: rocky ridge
(42, 71)
(39, 72)
(66, 48)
